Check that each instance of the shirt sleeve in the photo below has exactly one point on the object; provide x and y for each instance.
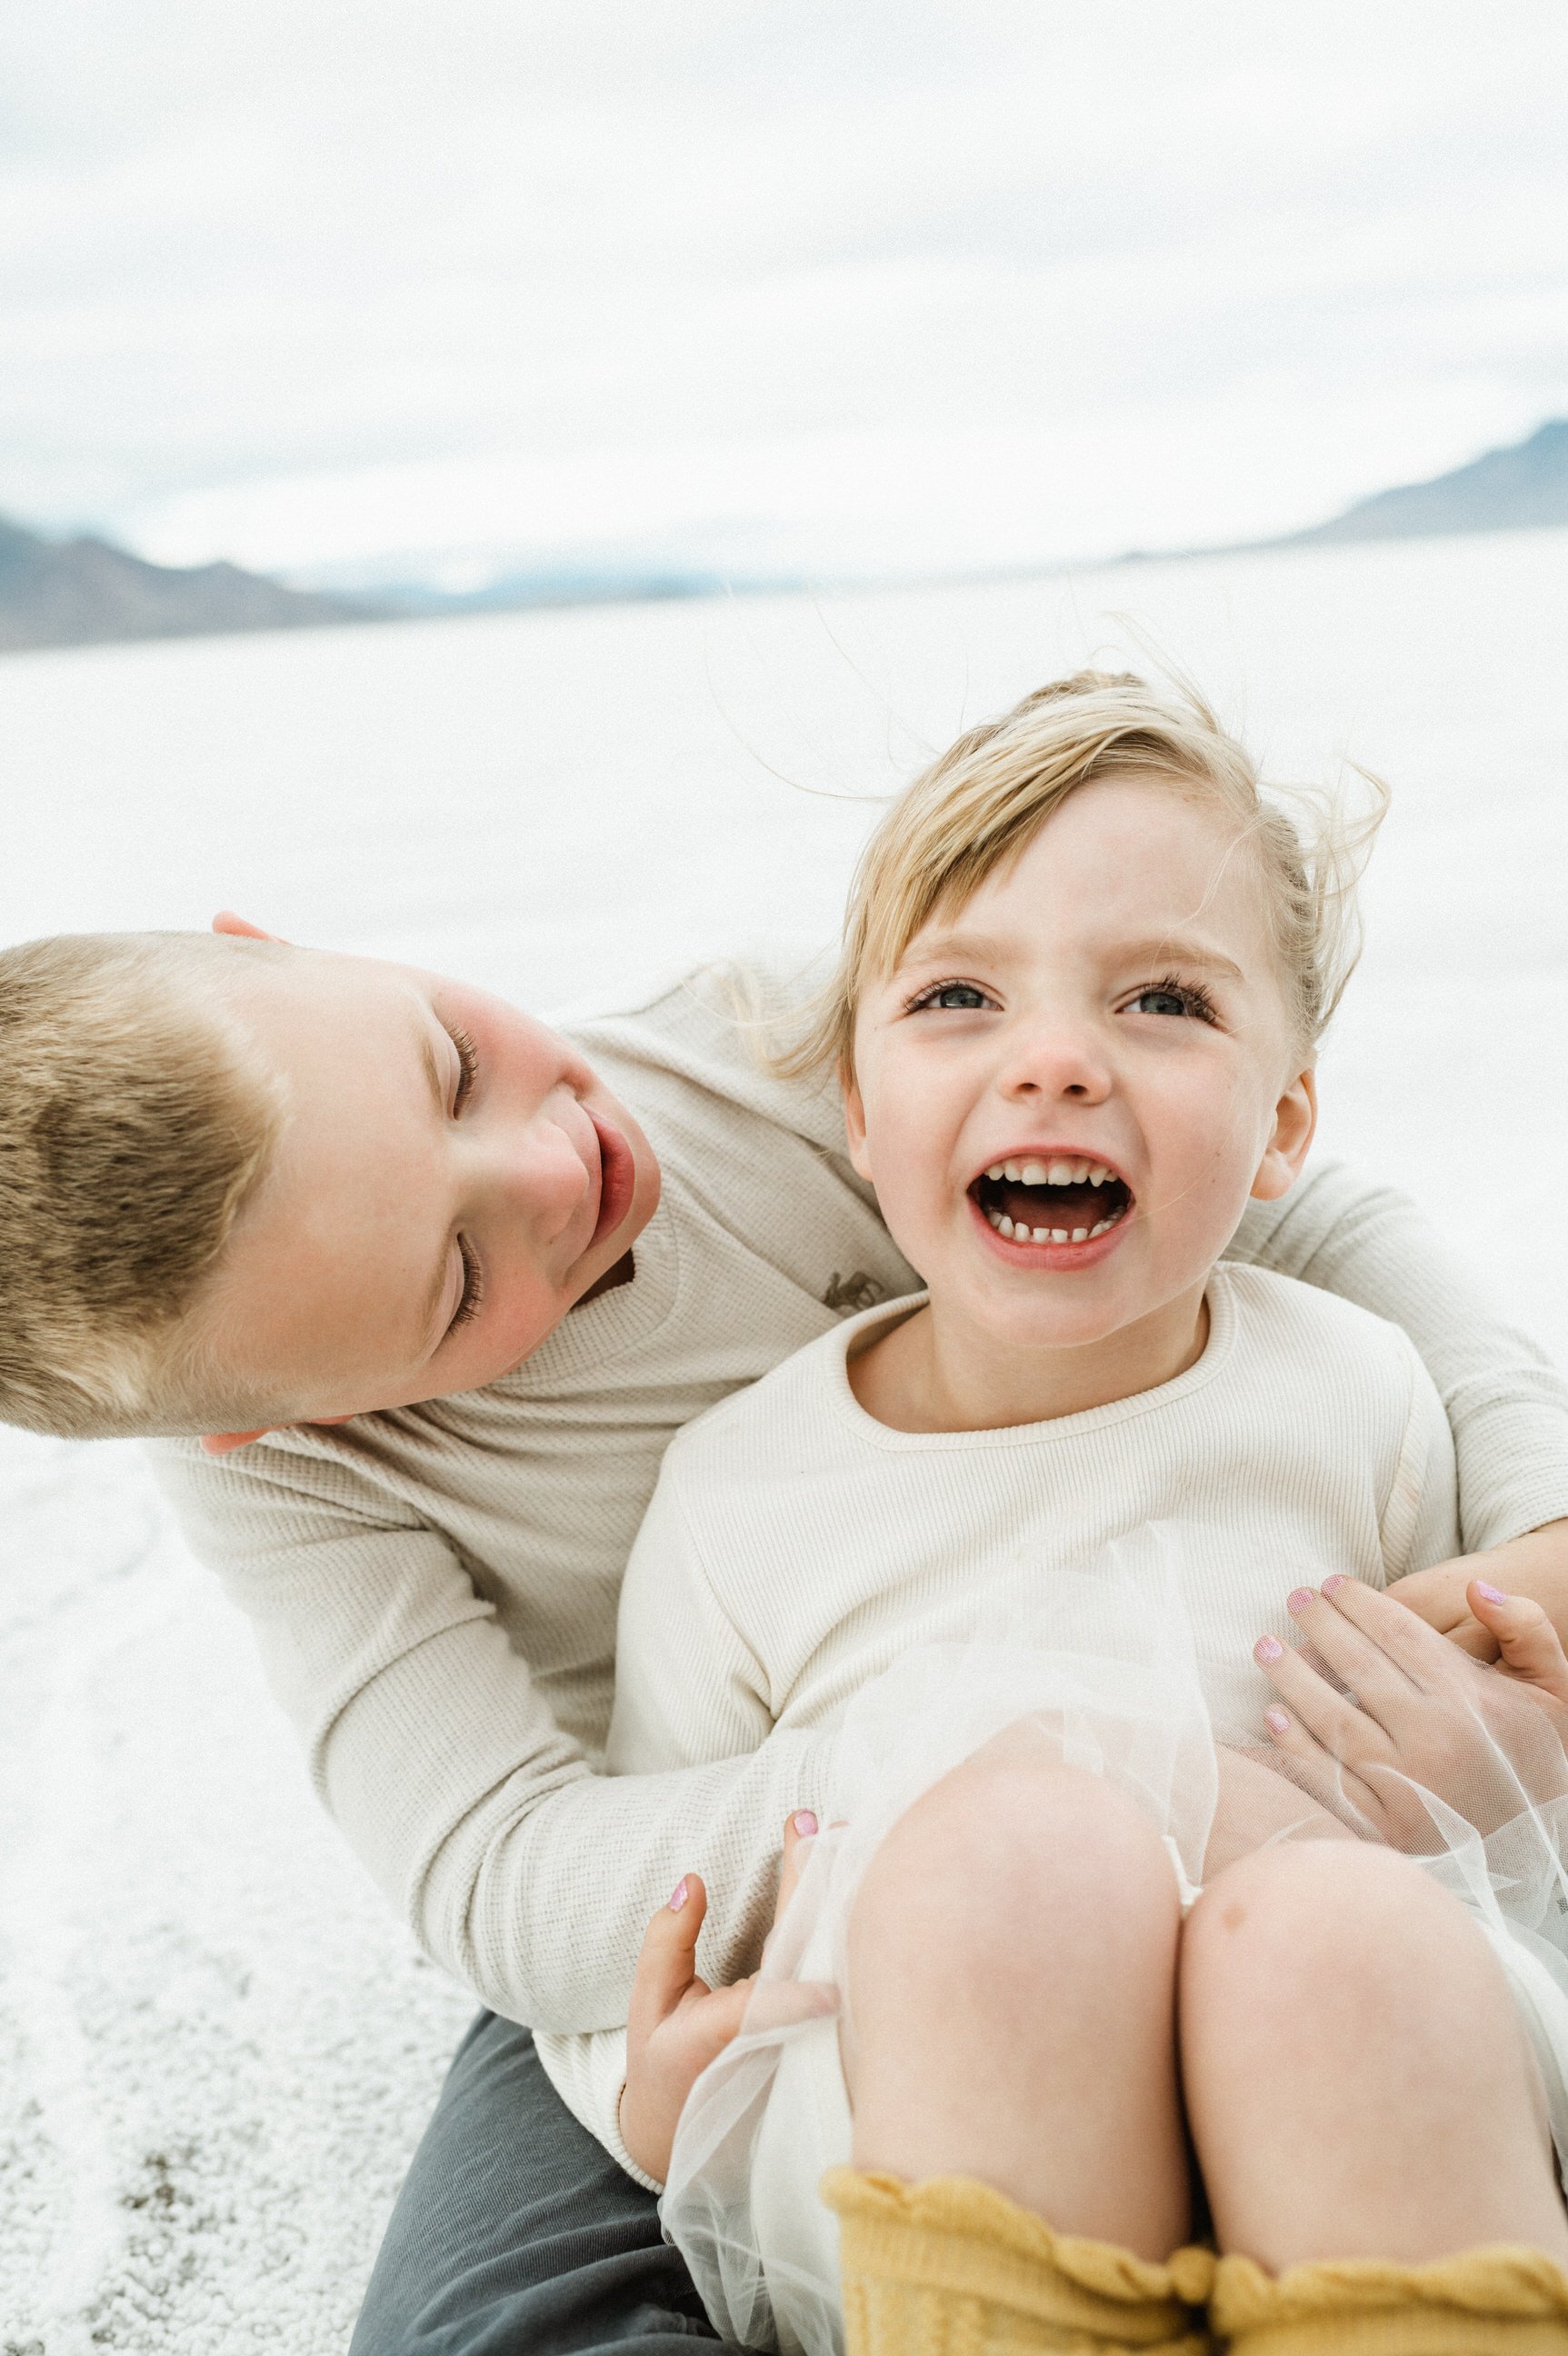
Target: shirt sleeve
(1505, 1402)
(688, 1686)
(1418, 1524)
(517, 1867)
(687, 1691)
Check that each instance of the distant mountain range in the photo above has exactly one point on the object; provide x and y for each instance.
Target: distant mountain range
(1524, 487)
(86, 591)
(80, 592)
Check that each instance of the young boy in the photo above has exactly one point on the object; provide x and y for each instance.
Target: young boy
(244, 1185)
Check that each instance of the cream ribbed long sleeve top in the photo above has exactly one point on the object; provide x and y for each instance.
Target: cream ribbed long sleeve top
(796, 1548)
(434, 1590)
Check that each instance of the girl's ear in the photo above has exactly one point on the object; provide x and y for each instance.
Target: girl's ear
(1295, 1119)
(855, 1122)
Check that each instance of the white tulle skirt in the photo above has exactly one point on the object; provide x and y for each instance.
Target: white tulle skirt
(1110, 1685)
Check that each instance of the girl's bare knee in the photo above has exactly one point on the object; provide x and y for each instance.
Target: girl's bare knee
(1310, 1931)
(1021, 1859)
(1337, 2005)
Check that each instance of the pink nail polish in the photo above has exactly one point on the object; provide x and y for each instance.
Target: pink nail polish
(679, 1895)
(805, 1823)
(1492, 1594)
(1333, 1582)
(1298, 1599)
(1276, 1721)
(1267, 1648)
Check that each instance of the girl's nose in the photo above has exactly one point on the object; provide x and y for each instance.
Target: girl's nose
(1052, 1061)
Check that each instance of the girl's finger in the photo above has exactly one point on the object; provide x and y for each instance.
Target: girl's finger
(800, 1832)
(1473, 1639)
(1356, 1656)
(667, 1968)
(783, 2004)
(1529, 1644)
(1344, 1731)
(1303, 1761)
(1403, 1636)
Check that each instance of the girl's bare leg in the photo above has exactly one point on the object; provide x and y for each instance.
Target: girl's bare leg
(1357, 2082)
(1012, 1973)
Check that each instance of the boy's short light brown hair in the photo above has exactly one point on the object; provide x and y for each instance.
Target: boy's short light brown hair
(981, 803)
(132, 1133)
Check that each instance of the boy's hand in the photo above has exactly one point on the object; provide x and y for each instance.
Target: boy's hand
(678, 2024)
(1534, 1567)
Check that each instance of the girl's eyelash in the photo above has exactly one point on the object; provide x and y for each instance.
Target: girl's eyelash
(934, 989)
(467, 1308)
(467, 1065)
(1170, 985)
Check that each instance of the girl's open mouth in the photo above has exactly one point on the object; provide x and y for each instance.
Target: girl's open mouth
(1064, 1199)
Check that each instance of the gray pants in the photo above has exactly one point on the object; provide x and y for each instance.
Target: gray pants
(515, 2234)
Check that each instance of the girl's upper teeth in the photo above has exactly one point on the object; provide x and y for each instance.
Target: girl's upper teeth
(1049, 1174)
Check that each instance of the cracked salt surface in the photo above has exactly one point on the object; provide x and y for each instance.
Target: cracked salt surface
(216, 2045)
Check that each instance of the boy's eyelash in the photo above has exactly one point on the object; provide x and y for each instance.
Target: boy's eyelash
(467, 1308)
(467, 1065)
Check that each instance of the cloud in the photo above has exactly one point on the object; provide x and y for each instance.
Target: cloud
(902, 285)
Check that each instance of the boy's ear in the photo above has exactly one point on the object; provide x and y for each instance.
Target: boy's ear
(854, 1123)
(223, 1444)
(1295, 1119)
(226, 921)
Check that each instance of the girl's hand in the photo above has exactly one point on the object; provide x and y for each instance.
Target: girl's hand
(678, 2024)
(1534, 1567)
(1418, 1711)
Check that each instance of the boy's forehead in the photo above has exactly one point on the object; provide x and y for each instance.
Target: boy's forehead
(321, 982)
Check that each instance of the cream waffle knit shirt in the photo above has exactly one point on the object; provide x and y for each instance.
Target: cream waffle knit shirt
(434, 1590)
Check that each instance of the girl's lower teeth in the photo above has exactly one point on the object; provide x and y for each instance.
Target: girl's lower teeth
(1018, 1233)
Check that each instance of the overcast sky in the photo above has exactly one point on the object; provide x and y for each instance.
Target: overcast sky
(834, 288)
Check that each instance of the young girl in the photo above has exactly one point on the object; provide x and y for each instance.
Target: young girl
(1016, 1538)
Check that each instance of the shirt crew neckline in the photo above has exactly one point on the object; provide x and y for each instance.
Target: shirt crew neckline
(604, 1329)
(1218, 1294)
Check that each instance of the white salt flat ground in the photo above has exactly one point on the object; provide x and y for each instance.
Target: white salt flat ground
(216, 2047)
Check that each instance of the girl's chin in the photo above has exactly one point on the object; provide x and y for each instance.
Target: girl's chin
(1016, 1325)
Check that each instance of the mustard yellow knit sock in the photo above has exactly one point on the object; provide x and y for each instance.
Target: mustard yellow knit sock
(952, 2268)
(1481, 2303)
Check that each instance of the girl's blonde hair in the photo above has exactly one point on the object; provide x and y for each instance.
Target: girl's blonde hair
(981, 802)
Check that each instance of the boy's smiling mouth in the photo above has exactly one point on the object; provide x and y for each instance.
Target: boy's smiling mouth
(1050, 1196)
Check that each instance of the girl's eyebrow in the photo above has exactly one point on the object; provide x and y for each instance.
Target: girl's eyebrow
(1186, 948)
(937, 947)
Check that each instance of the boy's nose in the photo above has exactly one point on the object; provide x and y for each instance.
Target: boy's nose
(541, 1176)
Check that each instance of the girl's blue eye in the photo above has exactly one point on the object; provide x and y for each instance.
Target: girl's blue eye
(958, 997)
(1168, 998)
